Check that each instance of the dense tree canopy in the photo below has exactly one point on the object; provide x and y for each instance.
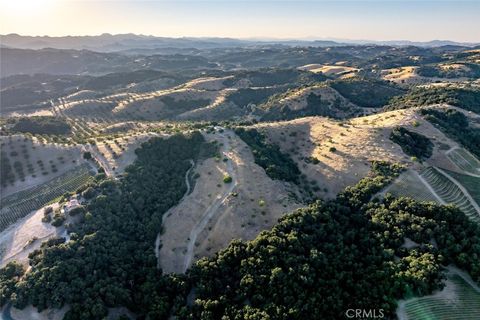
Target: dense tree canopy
(316, 263)
(335, 255)
(412, 143)
(40, 125)
(109, 260)
(367, 93)
(277, 164)
(466, 98)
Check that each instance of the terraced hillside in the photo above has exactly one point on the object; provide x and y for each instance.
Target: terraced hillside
(471, 183)
(465, 161)
(410, 184)
(458, 300)
(450, 192)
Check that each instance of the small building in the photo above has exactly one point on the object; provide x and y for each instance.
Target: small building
(71, 204)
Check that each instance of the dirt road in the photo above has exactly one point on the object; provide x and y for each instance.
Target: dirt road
(187, 192)
(212, 209)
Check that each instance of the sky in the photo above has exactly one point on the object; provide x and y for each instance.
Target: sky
(268, 19)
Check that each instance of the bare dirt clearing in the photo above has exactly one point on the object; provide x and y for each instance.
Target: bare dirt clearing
(25, 236)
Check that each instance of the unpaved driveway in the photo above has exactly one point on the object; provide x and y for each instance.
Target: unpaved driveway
(215, 212)
(212, 209)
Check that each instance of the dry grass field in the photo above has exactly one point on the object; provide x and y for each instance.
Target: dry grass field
(336, 71)
(215, 212)
(345, 149)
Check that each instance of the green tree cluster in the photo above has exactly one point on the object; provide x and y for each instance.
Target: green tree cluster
(277, 164)
(40, 125)
(466, 98)
(412, 143)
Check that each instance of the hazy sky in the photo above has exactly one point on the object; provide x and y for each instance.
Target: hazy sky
(373, 20)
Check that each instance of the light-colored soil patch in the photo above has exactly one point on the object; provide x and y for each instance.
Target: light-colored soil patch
(121, 127)
(16, 241)
(407, 75)
(331, 70)
(81, 95)
(36, 113)
(454, 66)
(253, 204)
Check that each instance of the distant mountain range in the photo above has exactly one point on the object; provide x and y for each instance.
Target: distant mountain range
(124, 42)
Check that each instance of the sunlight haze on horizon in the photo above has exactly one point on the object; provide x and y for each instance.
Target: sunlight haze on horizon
(356, 20)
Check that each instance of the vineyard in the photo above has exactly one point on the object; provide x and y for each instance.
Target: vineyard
(465, 161)
(27, 161)
(409, 185)
(20, 204)
(115, 154)
(465, 304)
(450, 192)
(471, 183)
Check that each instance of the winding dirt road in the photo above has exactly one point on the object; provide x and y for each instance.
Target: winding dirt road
(187, 192)
(212, 209)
